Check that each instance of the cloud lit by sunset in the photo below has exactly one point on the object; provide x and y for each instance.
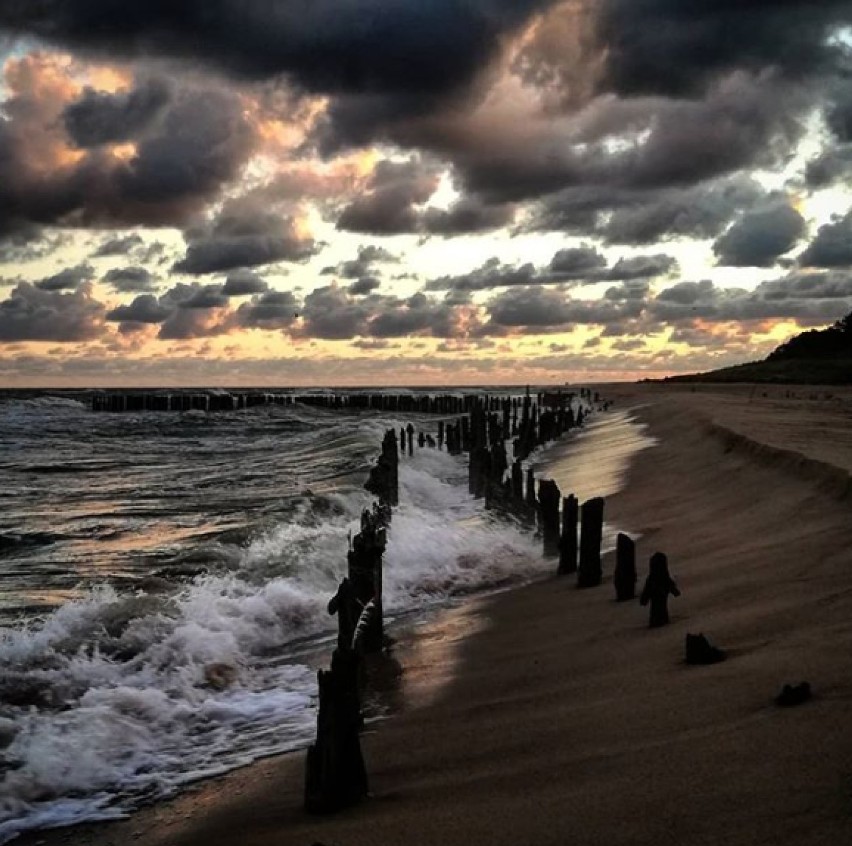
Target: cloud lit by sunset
(248, 193)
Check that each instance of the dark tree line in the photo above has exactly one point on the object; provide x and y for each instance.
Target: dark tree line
(833, 342)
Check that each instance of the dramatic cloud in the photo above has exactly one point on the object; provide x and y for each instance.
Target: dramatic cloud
(622, 216)
(832, 246)
(389, 204)
(363, 286)
(270, 311)
(243, 235)
(577, 262)
(241, 283)
(120, 246)
(560, 137)
(583, 265)
(760, 236)
(814, 299)
(401, 47)
(335, 313)
(66, 280)
(129, 280)
(666, 46)
(364, 264)
(177, 164)
(146, 308)
(33, 314)
(101, 118)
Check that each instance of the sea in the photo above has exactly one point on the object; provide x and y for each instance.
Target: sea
(164, 580)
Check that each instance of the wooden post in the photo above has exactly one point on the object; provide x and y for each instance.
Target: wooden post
(532, 501)
(548, 498)
(568, 541)
(384, 476)
(365, 573)
(624, 577)
(335, 775)
(591, 533)
(517, 483)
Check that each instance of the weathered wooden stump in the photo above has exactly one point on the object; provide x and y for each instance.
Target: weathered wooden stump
(365, 573)
(345, 604)
(383, 480)
(624, 577)
(532, 500)
(517, 483)
(568, 540)
(335, 775)
(658, 586)
(591, 532)
(548, 500)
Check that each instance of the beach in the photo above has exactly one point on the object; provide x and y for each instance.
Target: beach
(550, 715)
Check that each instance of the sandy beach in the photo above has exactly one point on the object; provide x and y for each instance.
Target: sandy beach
(561, 718)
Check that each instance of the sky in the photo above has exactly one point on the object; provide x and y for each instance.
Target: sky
(417, 192)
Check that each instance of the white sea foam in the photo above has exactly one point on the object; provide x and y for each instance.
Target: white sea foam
(110, 700)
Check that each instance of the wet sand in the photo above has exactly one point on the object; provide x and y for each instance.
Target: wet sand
(564, 719)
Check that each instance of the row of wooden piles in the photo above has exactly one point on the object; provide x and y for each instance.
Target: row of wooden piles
(335, 771)
(215, 401)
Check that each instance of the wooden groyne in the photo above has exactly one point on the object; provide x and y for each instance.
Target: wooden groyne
(508, 408)
(336, 775)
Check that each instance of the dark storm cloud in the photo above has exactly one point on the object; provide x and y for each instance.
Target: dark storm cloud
(830, 166)
(418, 314)
(368, 45)
(33, 314)
(200, 144)
(204, 296)
(145, 308)
(546, 308)
(698, 212)
(129, 280)
(243, 235)
(364, 285)
(240, 283)
(634, 289)
(808, 286)
(270, 311)
(629, 216)
(120, 246)
(760, 236)
(331, 313)
(466, 216)
(364, 264)
(814, 299)
(389, 203)
(103, 118)
(577, 262)
(30, 243)
(677, 48)
(583, 265)
(832, 246)
(335, 313)
(640, 267)
(67, 279)
(492, 274)
(197, 146)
